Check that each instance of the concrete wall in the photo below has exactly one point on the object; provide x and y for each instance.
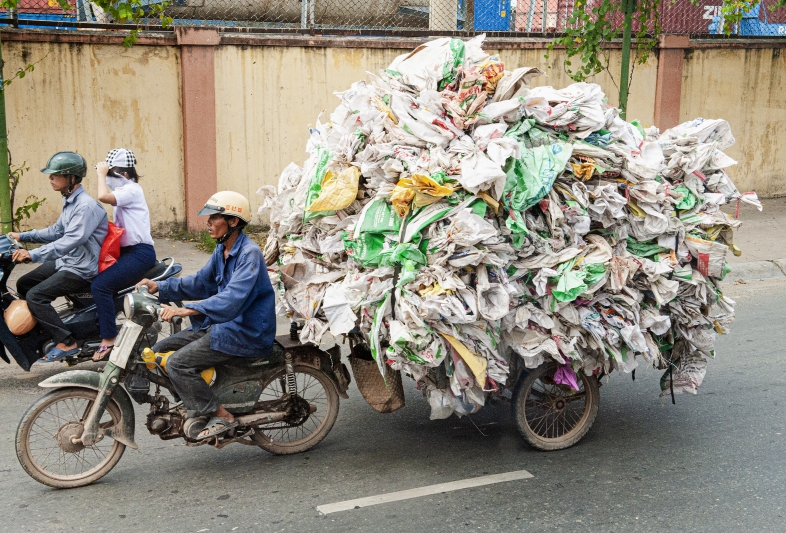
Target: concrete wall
(89, 94)
(91, 98)
(746, 87)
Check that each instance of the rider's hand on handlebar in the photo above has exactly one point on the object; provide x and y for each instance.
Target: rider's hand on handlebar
(168, 312)
(152, 286)
(14, 235)
(20, 256)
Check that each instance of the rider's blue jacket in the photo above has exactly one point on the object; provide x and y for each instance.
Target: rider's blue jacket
(75, 239)
(238, 302)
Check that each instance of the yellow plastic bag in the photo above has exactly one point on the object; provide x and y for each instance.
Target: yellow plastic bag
(635, 209)
(419, 190)
(493, 70)
(338, 190)
(477, 364)
(583, 171)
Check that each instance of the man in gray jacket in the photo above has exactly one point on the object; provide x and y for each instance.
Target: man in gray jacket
(70, 257)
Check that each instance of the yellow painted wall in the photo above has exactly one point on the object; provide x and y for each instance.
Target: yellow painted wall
(90, 99)
(268, 96)
(746, 87)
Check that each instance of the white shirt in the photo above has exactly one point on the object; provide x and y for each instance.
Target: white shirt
(131, 213)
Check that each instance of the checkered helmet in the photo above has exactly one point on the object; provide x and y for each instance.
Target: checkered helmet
(120, 157)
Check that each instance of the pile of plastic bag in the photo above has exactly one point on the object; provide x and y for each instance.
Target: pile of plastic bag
(459, 218)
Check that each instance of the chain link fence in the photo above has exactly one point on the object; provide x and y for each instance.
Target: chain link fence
(403, 17)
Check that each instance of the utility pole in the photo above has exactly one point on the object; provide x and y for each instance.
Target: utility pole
(6, 217)
(628, 7)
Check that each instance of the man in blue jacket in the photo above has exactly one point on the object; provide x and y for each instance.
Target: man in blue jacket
(70, 255)
(236, 317)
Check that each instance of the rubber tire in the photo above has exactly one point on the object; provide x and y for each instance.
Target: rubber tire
(27, 422)
(573, 436)
(278, 448)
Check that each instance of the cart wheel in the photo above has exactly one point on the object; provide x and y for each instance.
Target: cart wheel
(551, 416)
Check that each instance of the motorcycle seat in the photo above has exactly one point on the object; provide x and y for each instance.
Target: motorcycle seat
(158, 269)
(275, 356)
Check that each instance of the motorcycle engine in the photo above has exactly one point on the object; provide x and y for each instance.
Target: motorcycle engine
(165, 425)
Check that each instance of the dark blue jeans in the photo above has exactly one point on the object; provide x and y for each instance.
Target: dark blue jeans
(129, 269)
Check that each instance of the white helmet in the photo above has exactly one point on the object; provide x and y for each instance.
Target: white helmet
(228, 203)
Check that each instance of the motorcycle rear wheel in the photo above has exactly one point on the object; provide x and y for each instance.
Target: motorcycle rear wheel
(316, 388)
(43, 444)
(551, 416)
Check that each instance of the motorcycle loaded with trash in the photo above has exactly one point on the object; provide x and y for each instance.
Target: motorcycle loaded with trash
(27, 342)
(285, 402)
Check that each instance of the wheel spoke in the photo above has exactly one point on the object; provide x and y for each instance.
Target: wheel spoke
(309, 390)
(544, 420)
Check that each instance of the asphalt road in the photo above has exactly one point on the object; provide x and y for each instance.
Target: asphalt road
(714, 462)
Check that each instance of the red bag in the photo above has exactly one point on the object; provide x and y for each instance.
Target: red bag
(110, 249)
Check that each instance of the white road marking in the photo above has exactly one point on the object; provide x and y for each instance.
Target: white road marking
(423, 491)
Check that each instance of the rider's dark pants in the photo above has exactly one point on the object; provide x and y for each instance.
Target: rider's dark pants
(193, 354)
(130, 267)
(41, 287)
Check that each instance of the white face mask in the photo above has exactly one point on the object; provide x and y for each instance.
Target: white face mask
(113, 183)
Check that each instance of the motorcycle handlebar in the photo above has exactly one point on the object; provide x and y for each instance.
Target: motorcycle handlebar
(15, 245)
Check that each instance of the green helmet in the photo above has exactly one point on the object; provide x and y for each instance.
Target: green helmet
(66, 163)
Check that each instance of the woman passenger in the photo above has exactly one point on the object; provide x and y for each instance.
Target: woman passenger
(118, 185)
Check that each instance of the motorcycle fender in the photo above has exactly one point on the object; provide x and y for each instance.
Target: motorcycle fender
(10, 342)
(240, 397)
(319, 360)
(87, 379)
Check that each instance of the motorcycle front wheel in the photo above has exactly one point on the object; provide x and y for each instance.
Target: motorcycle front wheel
(305, 430)
(44, 446)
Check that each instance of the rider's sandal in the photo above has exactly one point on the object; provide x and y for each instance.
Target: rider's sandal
(216, 426)
(104, 356)
(56, 354)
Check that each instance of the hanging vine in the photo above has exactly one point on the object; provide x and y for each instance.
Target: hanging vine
(590, 29)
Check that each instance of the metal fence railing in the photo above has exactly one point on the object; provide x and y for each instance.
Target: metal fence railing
(421, 17)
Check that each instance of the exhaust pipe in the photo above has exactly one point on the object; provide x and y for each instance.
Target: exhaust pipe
(268, 418)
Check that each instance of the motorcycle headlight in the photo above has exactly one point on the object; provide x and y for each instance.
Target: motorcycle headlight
(128, 305)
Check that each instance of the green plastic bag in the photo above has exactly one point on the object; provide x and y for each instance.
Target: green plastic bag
(450, 68)
(530, 178)
(688, 200)
(570, 283)
(573, 283)
(378, 217)
(725, 271)
(401, 253)
(366, 249)
(408, 273)
(569, 286)
(645, 249)
(593, 272)
(515, 222)
(315, 184)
